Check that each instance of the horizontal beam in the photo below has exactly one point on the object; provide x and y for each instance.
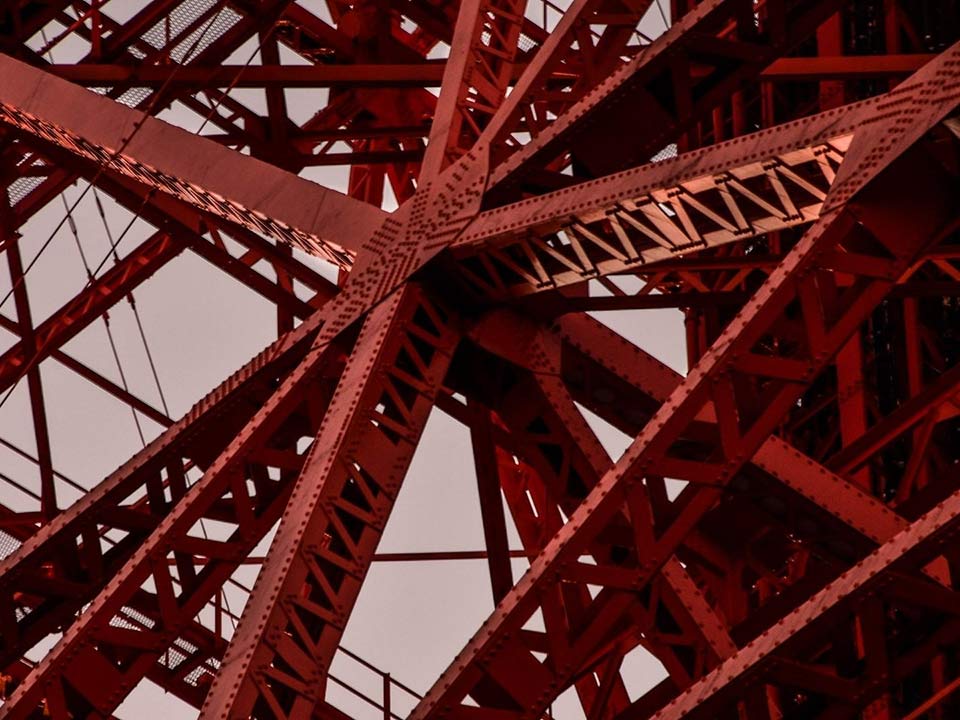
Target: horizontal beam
(844, 67)
(425, 74)
(174, 162)
(421, 556)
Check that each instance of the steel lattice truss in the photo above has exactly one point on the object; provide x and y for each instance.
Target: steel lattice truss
(807, 228)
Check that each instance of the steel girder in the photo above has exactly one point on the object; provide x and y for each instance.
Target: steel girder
(810, 255)
(35, 104)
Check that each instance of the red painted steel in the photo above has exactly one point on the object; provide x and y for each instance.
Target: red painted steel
(780, 533)
(148, 151)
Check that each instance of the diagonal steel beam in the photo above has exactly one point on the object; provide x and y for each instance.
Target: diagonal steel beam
(573, 53)
(174, 162)
(280, 655)
(764, 182)
(476, 78)
(632, 104)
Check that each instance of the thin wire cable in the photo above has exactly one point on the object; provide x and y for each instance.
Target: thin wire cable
(123, 380)
(133, 307)
(113, 250)
(214, 107)
(150, 361)
(16, 449)
(106, 317)
(100, 170)
(113, 245)
(113, 346)
(101, 167)
(663, 15)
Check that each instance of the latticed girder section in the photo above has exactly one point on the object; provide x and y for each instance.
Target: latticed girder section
(775, 534)
(632, 219)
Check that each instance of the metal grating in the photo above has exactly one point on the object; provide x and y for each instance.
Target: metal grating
(21, 187)
(526, 43)
(670, 151)
(8, 544)
(181, 18)
(134, 96)
(224, 20)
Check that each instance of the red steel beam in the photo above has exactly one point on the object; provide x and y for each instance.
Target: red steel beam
(538, 490)
(476, 78)
(936, 400)
(588, 43)
(491, 504)
(48, 490)
(637, 217)
(292, 624)
(425, 74)
(702, 169)
(844, 67)
(631, 106)
(190, 168)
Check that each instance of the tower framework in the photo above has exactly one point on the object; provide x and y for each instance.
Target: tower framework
(780, 533)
